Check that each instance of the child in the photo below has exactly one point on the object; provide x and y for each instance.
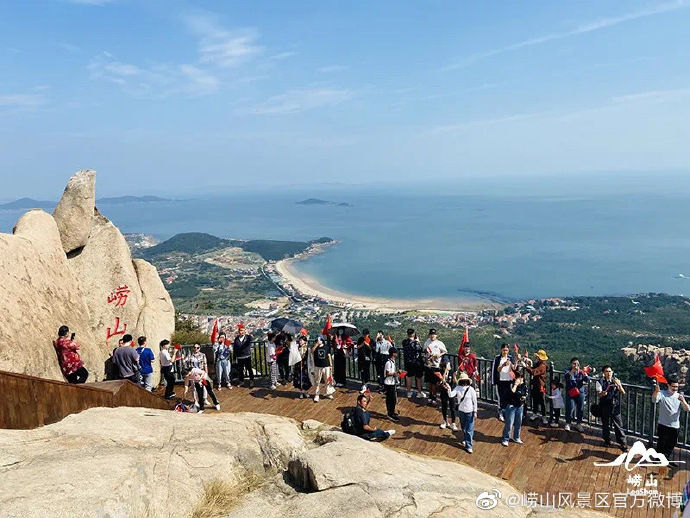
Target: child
(271, 359)
(556, 403)
(466, 398)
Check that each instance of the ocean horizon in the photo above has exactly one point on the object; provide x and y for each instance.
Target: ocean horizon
(504, 245)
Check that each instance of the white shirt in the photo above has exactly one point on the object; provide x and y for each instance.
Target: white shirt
(383, 347)
(165, 358)
(435, 349)
(504, 373)
(557, 399)
(389, 367)
(270, 351)
(469, 403)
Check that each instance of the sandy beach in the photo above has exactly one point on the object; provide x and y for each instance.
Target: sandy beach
(310, 287)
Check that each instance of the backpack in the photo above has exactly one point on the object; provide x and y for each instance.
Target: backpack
(181, 408)
(348, 424)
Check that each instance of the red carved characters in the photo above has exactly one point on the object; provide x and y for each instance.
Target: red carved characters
(119, 296)
(116, 331)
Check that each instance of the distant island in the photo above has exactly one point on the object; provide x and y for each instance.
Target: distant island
(30, 203)
(316, 201)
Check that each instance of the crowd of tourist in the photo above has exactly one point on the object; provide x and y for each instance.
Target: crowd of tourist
(316, 370)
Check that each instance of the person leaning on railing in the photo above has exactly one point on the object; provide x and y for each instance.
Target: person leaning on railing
(670, 402)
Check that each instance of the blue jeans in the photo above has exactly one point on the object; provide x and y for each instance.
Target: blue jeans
(223, 372)
(513, 417)
(376, 435)
(579, 403)
(467, 424)
(146, 381)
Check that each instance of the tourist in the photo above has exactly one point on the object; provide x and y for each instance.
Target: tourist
(668, 425)
(467, 362)
(447, 404)
(341, 347)
(323, 364)
(242, 348)
(302, 377)
(538, 386)
(557, 403)
(198, 360)
(381, 356)
(414, 364)
(390, 381)
(271, 359)
(610, 390)
(202, 383)
(502, 375)
(167, 369)
(146, 359)
(222, 352)
(364, 355)
(361, 420)
(68, 357)
(466, 398)
(127, 360)
(576, 380)
(434, 349)
(512, 413)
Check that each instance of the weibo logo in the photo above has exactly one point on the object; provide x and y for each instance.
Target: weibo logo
(647, 458)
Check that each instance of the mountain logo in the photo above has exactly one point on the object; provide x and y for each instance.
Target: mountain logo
(648, 458)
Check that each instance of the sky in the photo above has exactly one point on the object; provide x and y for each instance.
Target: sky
(174, 97)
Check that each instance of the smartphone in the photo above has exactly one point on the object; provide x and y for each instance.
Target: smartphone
(72, 337)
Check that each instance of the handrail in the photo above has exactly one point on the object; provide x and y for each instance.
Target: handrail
(638, 412)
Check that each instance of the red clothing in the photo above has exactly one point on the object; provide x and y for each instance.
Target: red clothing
(468, 363)
(69, 358)
(343, 342)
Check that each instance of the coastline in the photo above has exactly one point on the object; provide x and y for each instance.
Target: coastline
(308, 286)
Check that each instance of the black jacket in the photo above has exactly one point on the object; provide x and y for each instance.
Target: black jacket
(242, 346)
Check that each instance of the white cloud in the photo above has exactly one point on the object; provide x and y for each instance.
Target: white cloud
(656, 96)
(299, 100)
(332, 68)
(200, 81)
(581, 29)
(22, 100)
(221, 47)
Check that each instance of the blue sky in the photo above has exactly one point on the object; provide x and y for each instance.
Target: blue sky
(169, 97)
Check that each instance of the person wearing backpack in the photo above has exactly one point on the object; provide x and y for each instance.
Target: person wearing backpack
(610, 390)
(467, 407)
(361, 426)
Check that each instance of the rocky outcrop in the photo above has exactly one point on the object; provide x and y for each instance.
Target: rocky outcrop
(73, 212)
(75, 268)
(674, 361)
(158, 463)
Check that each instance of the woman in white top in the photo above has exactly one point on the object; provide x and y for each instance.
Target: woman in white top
(467, 407)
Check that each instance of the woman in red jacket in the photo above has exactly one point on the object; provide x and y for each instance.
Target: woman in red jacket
(68, 357)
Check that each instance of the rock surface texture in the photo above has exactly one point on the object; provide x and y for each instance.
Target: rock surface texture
(75, 268)
(672, 360)
(137, 462)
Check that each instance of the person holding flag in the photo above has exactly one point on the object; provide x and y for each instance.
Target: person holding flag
(341, 347)
(538, 385)
(670, 402)
(467, 360)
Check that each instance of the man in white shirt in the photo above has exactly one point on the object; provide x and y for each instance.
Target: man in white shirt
(670, 403)
(166, 370)
(390, 381)
(381, 349)
(434, 350)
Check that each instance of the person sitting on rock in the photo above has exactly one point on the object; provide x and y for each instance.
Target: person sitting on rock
(68, 357)
(127, 360)
(361, 418)
(201, 381)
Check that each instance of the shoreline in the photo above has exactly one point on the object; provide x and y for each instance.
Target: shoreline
(308, 286)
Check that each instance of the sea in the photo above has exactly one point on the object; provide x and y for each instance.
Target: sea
(498, 239)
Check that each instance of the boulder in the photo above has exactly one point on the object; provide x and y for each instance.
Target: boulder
(157, 315)
(40, 294)
(74, 210)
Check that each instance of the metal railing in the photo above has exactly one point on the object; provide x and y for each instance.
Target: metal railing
(638, 412)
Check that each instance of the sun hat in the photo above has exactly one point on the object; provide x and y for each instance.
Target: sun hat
(541, 354)
(463, 376)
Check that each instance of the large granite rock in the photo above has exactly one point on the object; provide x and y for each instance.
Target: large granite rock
(674, 361)
(137, 462)
(40, 293)
(73, 211)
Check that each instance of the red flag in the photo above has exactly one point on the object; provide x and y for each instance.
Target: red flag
(214, 333)
(439, 375)
(656, 371)
(516, 349)
(402, 374)
(304, 332)
(329, 325)
(465, 338)
(227, 341)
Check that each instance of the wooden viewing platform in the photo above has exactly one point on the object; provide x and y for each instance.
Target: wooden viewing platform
(549, 461)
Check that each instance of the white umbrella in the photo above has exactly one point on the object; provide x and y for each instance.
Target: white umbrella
(348, 329)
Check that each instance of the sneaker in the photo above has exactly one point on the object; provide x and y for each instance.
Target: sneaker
(501, 418)
(394, 418)
(544, 421)
(444, 425)
(218, 407)
(422, 395)
(468, 450)
(579, 428)
(411, 394)
(207, 402)
(195, 406)
(390, 432)
(301, 395)
(534, 417)
(219, 389)
(454, 427)
(567, 428)
(518, 441)
(554, 425)
(504, 443)
(316, 399)
(230, 387)
(363, 389)
(273, 387)
(200, 412)
(329, 396)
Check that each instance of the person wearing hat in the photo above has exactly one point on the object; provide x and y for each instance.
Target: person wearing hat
(467, 406)
(390, 382)
(538, 386)
(434, 349)
(242, 348)
(467, 361)
(414, 363)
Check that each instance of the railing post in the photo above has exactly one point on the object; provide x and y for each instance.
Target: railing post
(652, 422)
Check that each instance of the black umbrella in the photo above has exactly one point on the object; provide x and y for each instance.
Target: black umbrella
(287, 325)
(348, 329)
